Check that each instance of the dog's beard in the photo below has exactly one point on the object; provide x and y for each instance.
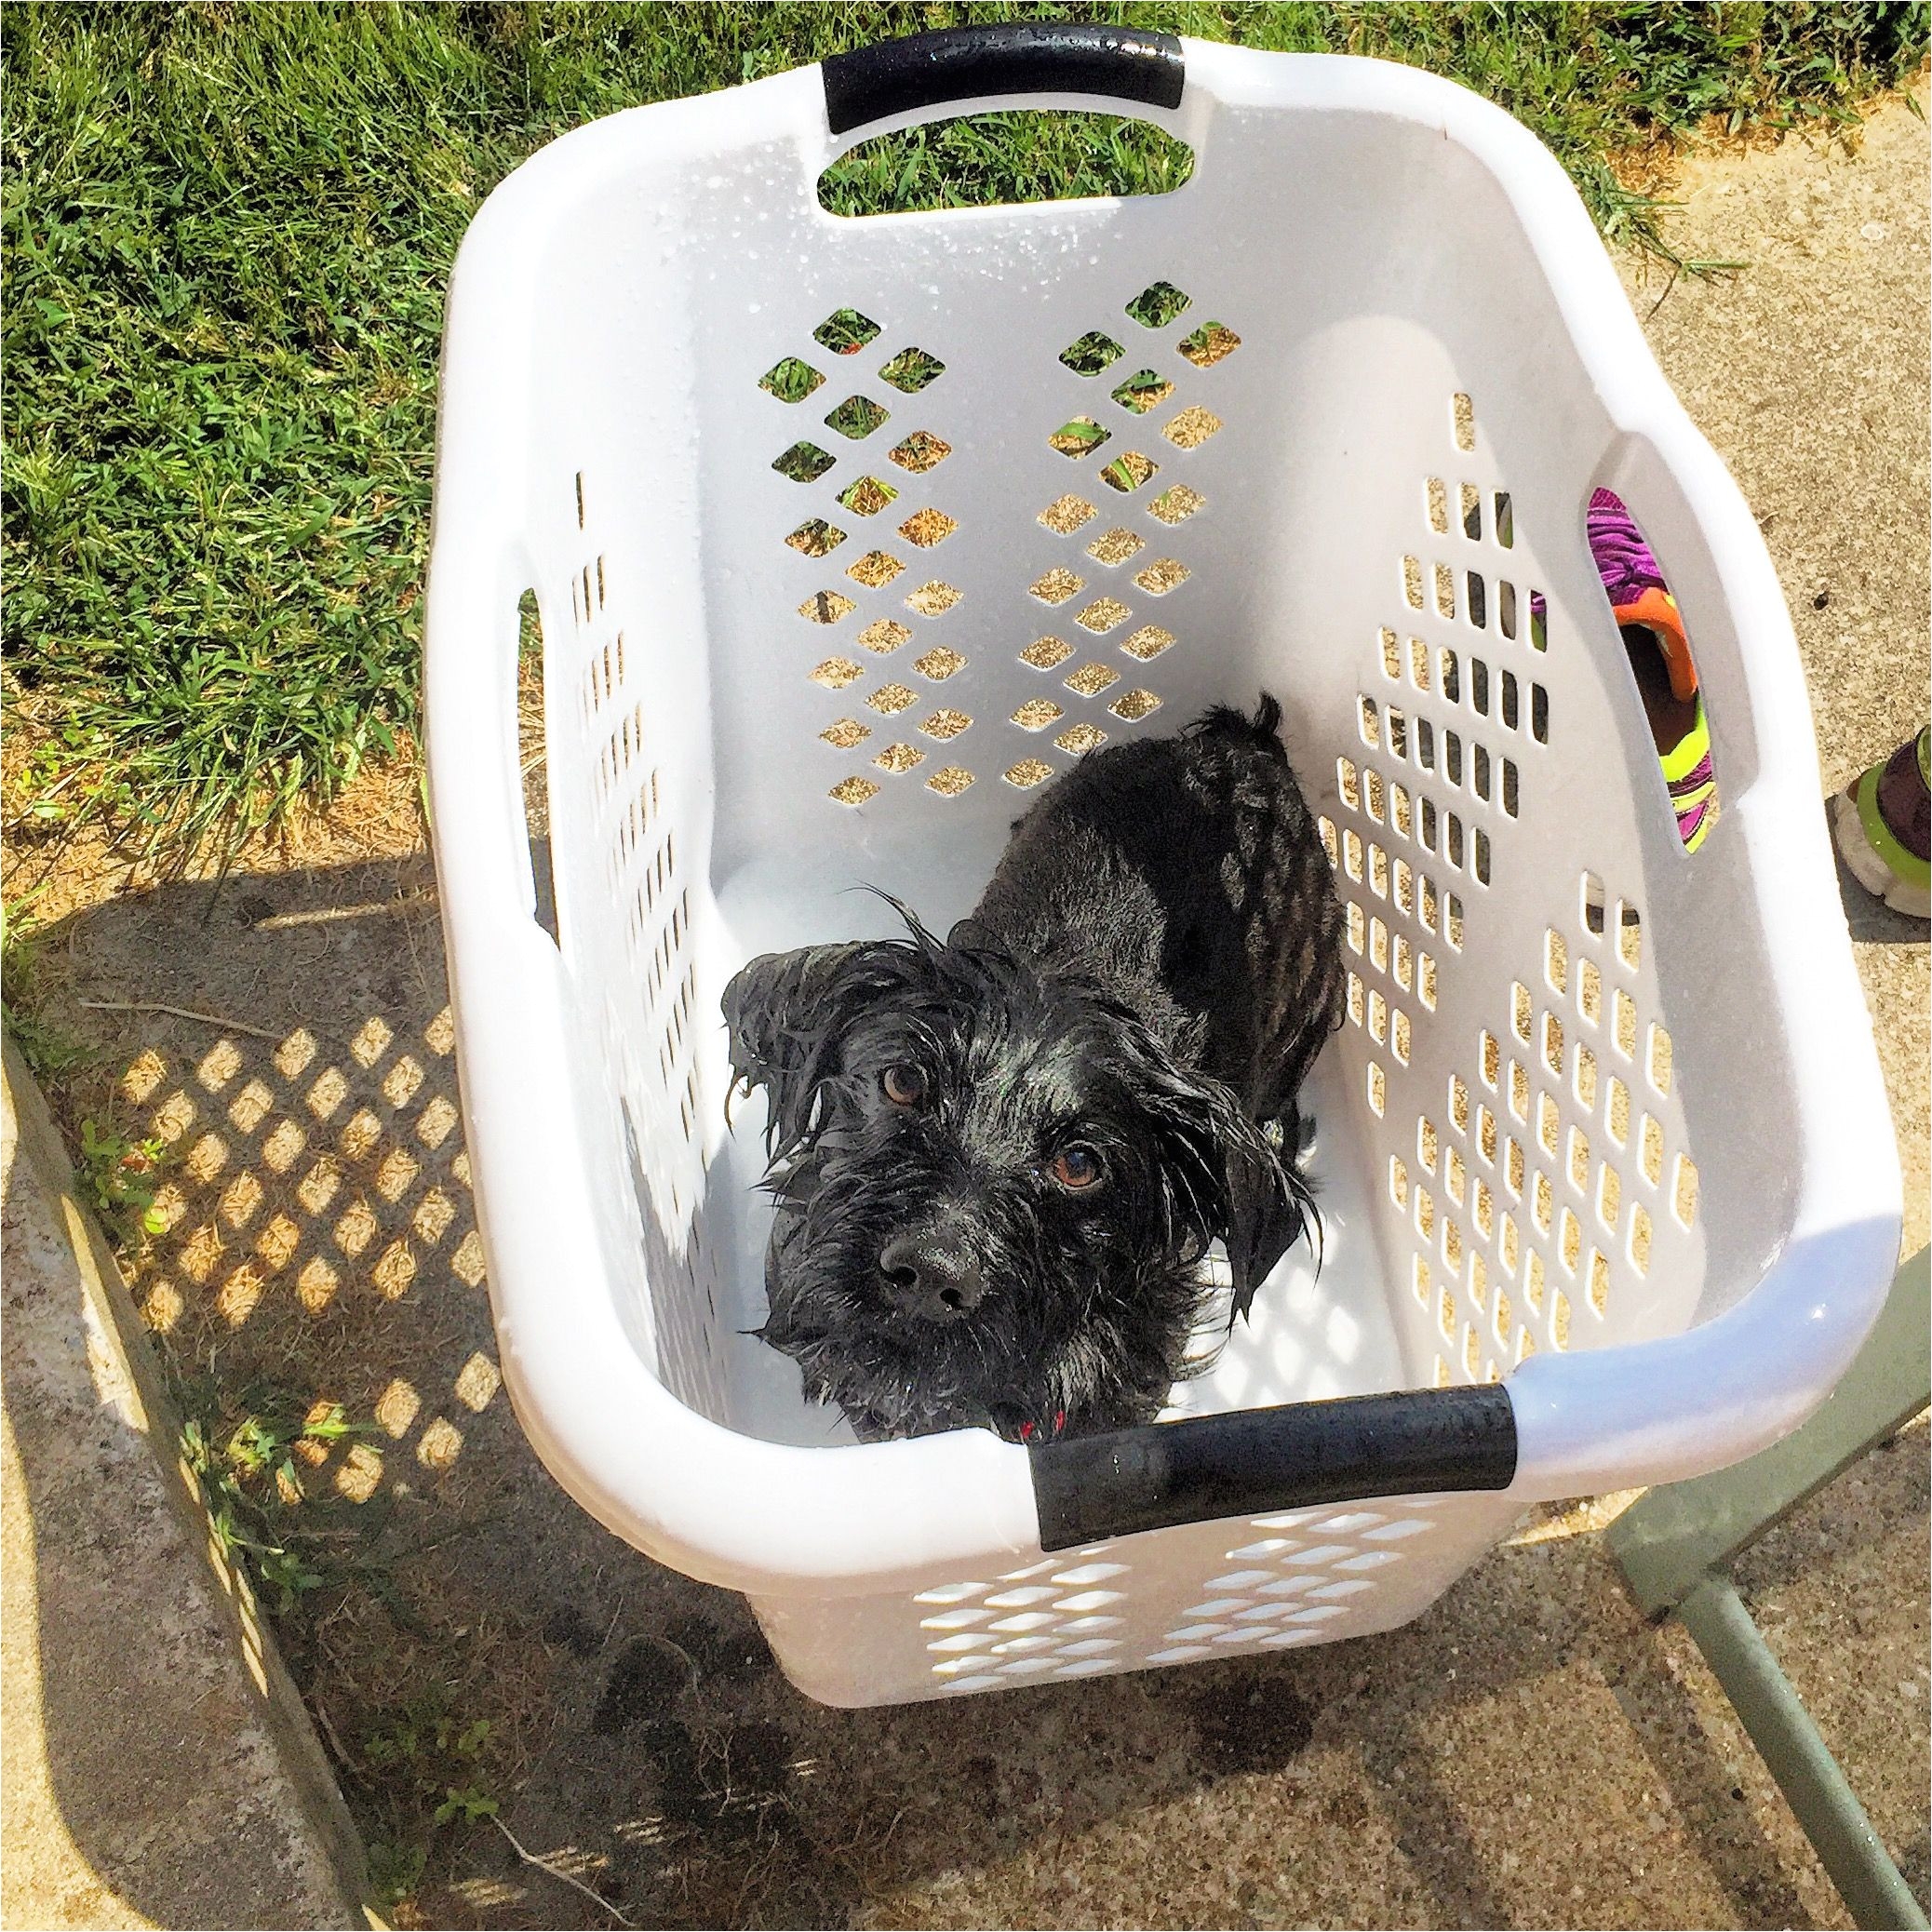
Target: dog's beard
(1073, 1335)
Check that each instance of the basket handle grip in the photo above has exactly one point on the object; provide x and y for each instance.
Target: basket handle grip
(1413, 1442)
(1012, 57)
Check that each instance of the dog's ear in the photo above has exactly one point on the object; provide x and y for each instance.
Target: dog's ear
(1236, 1167)
(785, 1013)
(1268, 1207)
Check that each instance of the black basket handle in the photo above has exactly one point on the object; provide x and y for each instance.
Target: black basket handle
(1258, 1460)
(1013, 57)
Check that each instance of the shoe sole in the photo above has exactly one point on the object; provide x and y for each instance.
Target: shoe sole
(1869, 867)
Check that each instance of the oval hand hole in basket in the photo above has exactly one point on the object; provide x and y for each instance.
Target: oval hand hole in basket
(998, 159)
(531, 752)
(1657, 646)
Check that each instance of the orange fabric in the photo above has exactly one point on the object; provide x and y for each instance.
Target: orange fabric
(1657, 611)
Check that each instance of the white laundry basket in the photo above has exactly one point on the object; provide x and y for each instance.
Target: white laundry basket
(1607, 1175)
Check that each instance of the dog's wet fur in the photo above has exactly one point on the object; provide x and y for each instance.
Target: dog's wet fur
(999, 1158)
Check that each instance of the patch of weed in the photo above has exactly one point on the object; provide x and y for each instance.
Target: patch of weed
(118, 1177)
(251, 1452)
(421, 1765)
(48, 1049)
(395, 1870)
(426, 1767)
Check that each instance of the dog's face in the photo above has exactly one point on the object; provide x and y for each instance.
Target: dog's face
(994, 1189)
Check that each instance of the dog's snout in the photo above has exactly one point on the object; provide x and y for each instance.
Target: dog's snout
(931, 1275)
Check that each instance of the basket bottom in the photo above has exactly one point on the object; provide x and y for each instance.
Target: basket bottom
(1316, 1331)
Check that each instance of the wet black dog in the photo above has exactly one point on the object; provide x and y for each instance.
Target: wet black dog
(998, 1159)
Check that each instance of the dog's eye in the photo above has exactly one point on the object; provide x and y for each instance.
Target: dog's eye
(1075, 1167)
(904, 1086)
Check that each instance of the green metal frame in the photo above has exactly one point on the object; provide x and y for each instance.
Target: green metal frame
(1676, 1543)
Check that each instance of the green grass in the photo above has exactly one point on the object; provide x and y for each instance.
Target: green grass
(227, 230)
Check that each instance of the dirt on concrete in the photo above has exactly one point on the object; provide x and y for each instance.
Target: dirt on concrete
(1529, 1752)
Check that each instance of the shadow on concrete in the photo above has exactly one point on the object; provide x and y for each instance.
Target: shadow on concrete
(160, 1769)
(1483, 1766)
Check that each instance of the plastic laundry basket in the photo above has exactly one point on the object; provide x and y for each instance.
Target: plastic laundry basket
(1605, 1163)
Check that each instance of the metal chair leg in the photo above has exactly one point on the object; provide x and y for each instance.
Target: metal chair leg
(1676, 1543)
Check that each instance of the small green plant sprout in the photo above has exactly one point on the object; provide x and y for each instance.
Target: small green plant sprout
(118, 1175)
(266, 1445)
(285, 1576)
(395, 1870)
(469, 1804)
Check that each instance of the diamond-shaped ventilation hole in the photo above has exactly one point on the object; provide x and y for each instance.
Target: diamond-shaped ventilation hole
(845, 732)
(1115, 548)
(826, 607)
(899, 758)
(1092, 354)
(867, 497)
(1037, 713)
(939, 663)
(1066, 513)
(921, 451)
(945, 724)
(949, 781)
(911, 370)
(790, 381)
(1209, 343)
(951, 1593)
(1102, 615)
(815, 537)
(1158, 579)
(1175, 503)
(885, 636)
(836, 673)
(1192, 428)
(1078, 437)
(925, 528)
(1158, 304)
(853, 791)
(803, 462)
(1148, 642)
(891, 698)
(1127, 473)
(1055, 587)
(1045, 652)
(1133, 705)
(1027, 774)
(1145, 390)
(1090, 681)
(930, 599)
(856, 417)
(875, 569)
(845, 332)
(1088, 1573)
(1081, 738)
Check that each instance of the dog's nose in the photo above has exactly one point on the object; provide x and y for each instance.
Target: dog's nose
(931, 1275)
